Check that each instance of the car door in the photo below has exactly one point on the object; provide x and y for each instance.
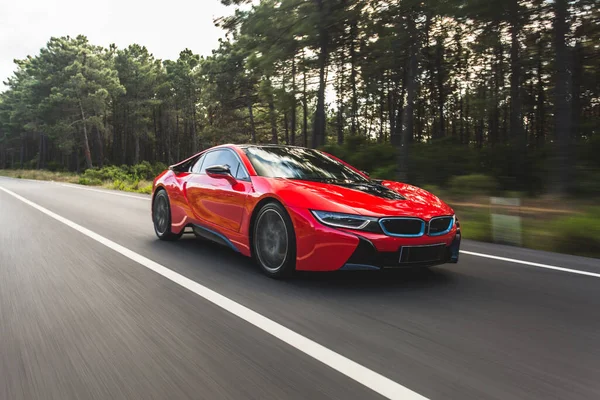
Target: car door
(218, 200)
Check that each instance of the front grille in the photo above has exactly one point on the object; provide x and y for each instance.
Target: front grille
(405, 227)
(440, 225)
(422, 254)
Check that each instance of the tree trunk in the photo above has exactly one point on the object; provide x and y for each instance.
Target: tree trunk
(516, 121)
(467, 137)
(439, 60)
(400, 113)
(100, 140)
(136, 159)
(177, 136)
(124, 136)
(318, 138)
(272, 115)
(40, 153)
(286, 127)
(382, 97)
(411, 87)
(353, 34)
(193, 128)
(86, 143)
(541, 103)
(293, 123)
(563, 115)
(578, 59)
(340, 96)
(461, 129)
(391, 102)
(286, 122)
(304, 103)
(252, 126)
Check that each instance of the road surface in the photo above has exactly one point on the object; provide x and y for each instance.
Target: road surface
(93, 306)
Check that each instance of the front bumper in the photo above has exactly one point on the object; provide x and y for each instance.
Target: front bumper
(323, 248)
(367, 257)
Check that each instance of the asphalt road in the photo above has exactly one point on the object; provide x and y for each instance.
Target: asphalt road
(79, 320)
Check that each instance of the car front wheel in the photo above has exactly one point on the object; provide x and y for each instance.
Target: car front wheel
(274, 241)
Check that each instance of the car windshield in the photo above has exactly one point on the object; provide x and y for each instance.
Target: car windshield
(300, 163)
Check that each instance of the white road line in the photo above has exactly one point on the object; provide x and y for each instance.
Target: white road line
(533, 264)
(513, 260)
(371, 379)
(24, 179)
(105, 192)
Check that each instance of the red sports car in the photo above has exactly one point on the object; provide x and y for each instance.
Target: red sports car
(299, 209)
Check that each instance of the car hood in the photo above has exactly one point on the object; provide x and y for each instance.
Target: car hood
(386, 198)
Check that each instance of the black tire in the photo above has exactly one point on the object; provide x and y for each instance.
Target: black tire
(274, 241)
(161, 217)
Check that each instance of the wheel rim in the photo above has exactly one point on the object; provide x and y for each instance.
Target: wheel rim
(271, 240)
(161, 214)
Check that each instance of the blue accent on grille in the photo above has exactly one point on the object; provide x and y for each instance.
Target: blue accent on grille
(447, 230)
(421, 232)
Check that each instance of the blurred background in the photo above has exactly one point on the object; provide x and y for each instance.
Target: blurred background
(492, 105)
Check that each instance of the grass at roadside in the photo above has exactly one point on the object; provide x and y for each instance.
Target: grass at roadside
(125, 183)
(546, 224)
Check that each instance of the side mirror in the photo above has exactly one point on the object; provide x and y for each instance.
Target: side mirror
(220, 171)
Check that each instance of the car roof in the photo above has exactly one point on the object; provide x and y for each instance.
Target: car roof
(279, 146)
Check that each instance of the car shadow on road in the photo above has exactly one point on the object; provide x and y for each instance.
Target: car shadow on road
(223, 261)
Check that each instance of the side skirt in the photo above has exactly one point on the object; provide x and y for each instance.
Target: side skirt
(214, 236)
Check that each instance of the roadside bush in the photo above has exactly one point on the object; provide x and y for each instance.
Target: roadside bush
(587, 182)
(143, 170)
(89, 181)
(578, 234)
(53, 166)
(475, 224)
(118, 184)
(146, 189)
(111, 173)
(475, 184)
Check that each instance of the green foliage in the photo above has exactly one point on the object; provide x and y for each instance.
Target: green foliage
(473, 184)
(578, 234)
(119, 184)
(146, 189)
(75, 103)
(89, 181)
(475, 224)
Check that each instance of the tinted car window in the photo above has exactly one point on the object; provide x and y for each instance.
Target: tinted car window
(198, 164)
(299, 163)
(224, 157)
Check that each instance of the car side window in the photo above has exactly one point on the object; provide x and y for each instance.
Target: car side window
(225, 157)
(210, 160)
(198, 164)
(241, 172)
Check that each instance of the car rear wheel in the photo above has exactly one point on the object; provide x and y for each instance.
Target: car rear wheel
(274, 241)
(161, 216)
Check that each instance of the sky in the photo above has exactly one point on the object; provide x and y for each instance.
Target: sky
(165, 27)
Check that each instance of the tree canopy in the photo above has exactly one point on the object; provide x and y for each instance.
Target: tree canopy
(513, 83)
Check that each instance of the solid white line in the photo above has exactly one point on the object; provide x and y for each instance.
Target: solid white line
(104, 191)
(533, 264)
(24, 179)
(371, 379)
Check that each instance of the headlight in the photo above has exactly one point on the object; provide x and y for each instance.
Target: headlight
(348, 221)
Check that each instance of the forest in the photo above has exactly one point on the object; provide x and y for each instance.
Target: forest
(420, 91)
